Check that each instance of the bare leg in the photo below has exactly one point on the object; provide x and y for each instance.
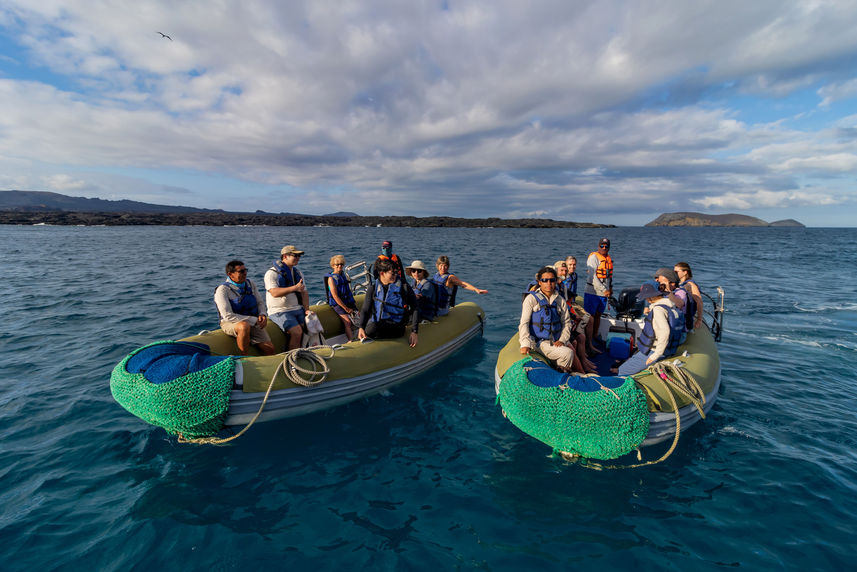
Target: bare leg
(242, 337)
(295, 334)
(346, 321)
(267, 348)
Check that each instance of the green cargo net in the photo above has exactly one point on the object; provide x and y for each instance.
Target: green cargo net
(605, 423)
(177, 386)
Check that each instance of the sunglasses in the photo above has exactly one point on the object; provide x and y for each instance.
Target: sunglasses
(547, 280)
(242, 271)
(604, 245)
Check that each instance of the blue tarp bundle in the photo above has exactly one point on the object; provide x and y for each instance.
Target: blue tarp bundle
(165, 362)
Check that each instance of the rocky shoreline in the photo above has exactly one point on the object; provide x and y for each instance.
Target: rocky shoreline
(71, 218)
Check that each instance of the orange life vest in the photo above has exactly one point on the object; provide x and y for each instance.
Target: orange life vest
(605, 266)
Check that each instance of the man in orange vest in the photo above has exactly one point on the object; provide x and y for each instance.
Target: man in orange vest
(599, 283)
(387, 254)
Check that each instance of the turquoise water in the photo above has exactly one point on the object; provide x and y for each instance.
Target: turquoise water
(429, 476)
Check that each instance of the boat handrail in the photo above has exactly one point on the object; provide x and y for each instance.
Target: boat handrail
(716, 313)
(361, 280)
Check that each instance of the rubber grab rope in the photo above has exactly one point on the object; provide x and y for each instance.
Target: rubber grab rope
(674, 379)
(293, 373)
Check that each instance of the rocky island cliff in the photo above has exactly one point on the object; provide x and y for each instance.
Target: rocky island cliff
(700, 219)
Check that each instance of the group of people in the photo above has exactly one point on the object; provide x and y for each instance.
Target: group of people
(390, 305)
(554, 324)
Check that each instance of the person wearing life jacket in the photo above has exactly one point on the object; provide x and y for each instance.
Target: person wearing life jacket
(695, 311)
(242, 310)
(581, 321)
(599, 283)
(545, 322)
(571, 288)
(339, 295)
(388, 307)
(387, 254)
(288, 299)
(668, 284)
(448, 286)
(661, 333)
(424, 289)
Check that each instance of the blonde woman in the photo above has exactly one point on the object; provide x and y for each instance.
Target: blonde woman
(339, 295)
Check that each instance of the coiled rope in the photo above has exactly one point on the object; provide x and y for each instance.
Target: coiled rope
(675, 379)
(296, 374)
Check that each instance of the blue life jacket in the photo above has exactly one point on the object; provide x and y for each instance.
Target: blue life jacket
(571, 285)
(546, 322)
(445, 296)
(389, 307)
(427, 299)
(286, 276)
(246, 304)
(343, 289)
(676, 321)
(691, 309)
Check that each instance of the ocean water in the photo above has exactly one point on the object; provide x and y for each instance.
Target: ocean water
(429, 476)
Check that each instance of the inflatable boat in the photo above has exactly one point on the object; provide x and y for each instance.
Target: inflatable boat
(194, 386)
(606, 416)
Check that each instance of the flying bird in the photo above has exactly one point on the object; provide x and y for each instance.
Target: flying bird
(163, 35)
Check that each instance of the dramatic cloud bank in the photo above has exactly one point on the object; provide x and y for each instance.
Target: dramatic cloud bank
(608, 111)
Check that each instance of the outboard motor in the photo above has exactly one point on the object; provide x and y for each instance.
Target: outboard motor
(627, 305)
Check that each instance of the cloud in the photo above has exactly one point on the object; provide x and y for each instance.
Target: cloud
(417, 108)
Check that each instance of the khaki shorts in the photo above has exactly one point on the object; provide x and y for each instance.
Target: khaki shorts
(257, 335)
(582, 316)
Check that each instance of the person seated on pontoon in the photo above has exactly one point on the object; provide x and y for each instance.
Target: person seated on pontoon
(447, 286)
(424, 289)
(546, 322)
(242, 310)
(668, 283)
(581, 321)
(662, 329)
(388, 307)
(695, 312)
(339, 295)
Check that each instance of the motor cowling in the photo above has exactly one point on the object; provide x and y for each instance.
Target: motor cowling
(627, 305)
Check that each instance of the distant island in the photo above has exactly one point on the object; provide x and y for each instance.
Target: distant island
(700, 219)
(41, 207)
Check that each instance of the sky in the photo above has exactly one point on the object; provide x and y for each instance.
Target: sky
(598, 111)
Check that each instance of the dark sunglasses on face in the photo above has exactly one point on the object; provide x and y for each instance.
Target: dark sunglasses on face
(242, 271)
(547, 279)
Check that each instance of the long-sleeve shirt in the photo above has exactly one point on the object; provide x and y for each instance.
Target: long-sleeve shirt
(661, 327)
(408, 297)
(531, 305)
(222, 295)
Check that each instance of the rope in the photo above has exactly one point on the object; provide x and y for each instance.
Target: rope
(674, 378)
(293, 373)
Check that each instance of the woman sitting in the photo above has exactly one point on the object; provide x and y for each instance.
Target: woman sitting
(339, 294)
(447, 286)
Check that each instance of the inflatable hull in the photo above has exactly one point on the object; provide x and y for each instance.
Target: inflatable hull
(356, 369)
(698, 356)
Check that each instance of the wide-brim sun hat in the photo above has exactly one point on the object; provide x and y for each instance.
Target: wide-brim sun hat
(416, 265)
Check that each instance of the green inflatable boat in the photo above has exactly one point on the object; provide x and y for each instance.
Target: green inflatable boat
(196, 385)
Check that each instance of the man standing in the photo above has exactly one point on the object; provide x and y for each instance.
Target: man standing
(599, 283)
(661, 333)
(242, 310)
(287, 295)
(387, 307)
(387, 254)
(545, 322)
